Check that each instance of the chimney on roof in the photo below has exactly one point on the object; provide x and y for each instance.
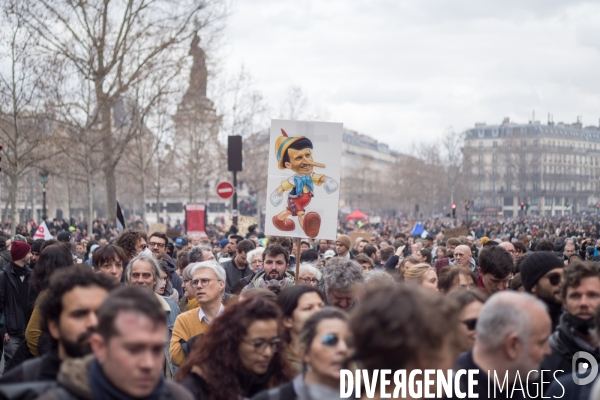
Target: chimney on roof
(506, 121)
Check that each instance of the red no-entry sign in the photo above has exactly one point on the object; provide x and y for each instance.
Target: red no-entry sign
(225, 190)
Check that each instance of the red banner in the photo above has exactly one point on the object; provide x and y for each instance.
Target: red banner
(194, 218)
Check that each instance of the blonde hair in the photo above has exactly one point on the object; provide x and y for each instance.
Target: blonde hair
(417, 273)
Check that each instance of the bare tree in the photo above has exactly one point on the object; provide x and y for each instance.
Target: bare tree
(24, 129)
(452, 160)
(119, 46)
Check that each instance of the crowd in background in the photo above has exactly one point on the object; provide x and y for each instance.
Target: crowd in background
(230, 315)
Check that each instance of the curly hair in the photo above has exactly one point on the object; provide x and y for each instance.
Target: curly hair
(395, 323)
(340, 273)
(52, 258)
(129, 238)
(217, 354)
(64, 281)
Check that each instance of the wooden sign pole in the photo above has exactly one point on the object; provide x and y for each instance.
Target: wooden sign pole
(298, 252)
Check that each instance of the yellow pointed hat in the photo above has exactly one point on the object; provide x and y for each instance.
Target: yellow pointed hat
(282, 144)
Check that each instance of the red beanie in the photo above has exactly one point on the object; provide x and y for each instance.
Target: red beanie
(18, 250)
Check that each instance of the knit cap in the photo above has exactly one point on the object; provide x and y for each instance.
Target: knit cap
(536, 265)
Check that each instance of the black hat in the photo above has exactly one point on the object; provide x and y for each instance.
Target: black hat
(64, 237)
(536, 265)
(36, 246)
(2, 242)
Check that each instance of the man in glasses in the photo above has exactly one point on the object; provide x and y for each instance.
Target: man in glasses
(541, 274)
(157, 243)
(580, 292)
(209, 281)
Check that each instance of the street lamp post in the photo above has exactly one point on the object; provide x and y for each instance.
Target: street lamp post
(44, 180)
(206, 187)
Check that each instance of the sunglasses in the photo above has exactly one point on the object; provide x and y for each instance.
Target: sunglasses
(470, 323)
(330, 340)
(554, 278)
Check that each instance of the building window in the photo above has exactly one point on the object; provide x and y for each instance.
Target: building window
(508, 201)
(534, 201)
(480, 158)
(480, 186)
(494, 157)
(558, 201)
(480, 171)
(495, 144)
(535, 143)
(523, 143)
(481, 145)
(548, 201)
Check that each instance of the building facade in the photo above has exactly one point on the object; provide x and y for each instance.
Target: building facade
(534, 169)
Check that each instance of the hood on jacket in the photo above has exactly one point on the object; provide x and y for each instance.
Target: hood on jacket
(73, 376)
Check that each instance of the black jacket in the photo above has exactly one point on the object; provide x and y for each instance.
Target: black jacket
(564, 346)
(16, 321)
(234, 274)
(5, 258)
(44, 368)
(175, 278)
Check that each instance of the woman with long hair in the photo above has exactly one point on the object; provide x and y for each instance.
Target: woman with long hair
(423, 255)
(325, 347)
(423, 275)
(470, 303)
(452, 277)
(239, 356)
(52, 258)
(298, 303)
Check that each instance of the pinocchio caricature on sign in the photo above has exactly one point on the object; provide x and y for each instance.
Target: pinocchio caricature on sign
(299, 188)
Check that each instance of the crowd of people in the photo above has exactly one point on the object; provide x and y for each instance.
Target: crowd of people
(220, 316)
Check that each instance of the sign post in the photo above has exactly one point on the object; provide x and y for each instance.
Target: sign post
(225, 190)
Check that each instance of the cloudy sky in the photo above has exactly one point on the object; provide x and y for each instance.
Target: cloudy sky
(406, 70)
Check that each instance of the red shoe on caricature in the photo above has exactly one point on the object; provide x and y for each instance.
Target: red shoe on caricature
(285, 225)
(312, 224)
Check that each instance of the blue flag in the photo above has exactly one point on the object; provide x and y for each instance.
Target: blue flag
(418, 229)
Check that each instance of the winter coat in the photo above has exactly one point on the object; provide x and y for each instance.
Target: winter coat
(5, 258)
(73, 377)
(258, 281)
(176, 280)
(564, 345)
(15, 320)
(233, 273)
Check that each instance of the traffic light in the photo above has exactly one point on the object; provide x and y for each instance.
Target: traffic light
(522, 205)
(467, 205)
(567, 204)
(453, 210)
(597, 206)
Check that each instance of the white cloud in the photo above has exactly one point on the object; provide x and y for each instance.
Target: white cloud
(403, 71)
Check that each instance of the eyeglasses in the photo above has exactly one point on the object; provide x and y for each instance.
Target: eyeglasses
(144, 247)
(155, 244)
(203, 282)
(260, 345)
(309, 280)
(470, 323)
(256, 262)
(554, 278)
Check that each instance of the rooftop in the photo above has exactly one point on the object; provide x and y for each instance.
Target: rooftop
(535, 129)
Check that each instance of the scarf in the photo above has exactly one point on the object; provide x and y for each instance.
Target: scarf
(251, 383)
(192, 303)
(104, 389)
(262, 284)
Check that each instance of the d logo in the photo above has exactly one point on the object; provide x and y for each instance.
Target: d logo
(583, 367)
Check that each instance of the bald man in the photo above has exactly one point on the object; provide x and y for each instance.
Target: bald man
(508, 246)
(464, 258)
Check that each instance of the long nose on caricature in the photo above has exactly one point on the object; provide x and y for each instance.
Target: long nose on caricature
(314, 164)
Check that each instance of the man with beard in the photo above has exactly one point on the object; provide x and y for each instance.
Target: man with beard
(274, 276)
(580, 293)
(511, 340)
(541, 273)
(36, 250)
(68, 314)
